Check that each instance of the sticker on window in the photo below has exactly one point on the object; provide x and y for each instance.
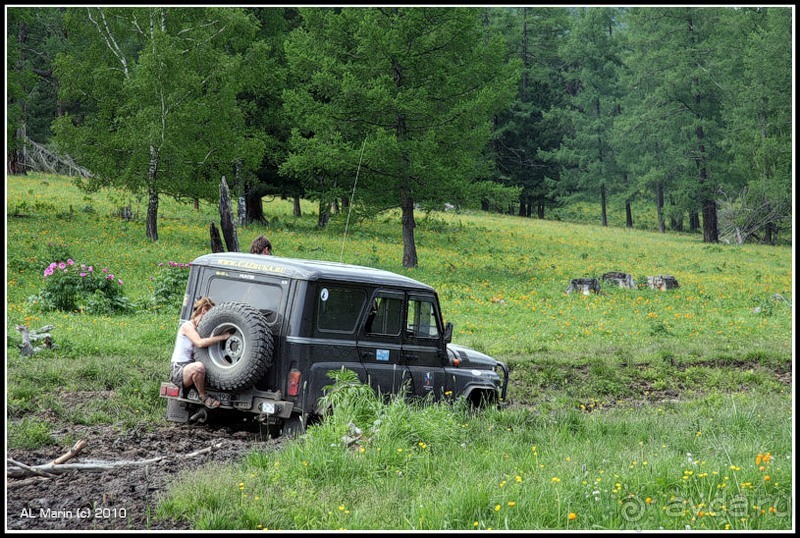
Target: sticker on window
(324, 294)
(382, 354)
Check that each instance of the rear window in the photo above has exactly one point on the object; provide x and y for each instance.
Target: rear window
(338, 308)
(261, 295)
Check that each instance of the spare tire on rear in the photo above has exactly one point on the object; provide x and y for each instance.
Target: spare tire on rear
(242, 359)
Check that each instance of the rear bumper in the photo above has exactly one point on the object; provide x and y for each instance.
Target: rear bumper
(252, 401)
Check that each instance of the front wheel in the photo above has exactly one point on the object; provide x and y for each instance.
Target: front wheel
(241, 360)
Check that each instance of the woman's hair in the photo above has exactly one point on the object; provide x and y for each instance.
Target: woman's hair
(201, 303)
(259, 244)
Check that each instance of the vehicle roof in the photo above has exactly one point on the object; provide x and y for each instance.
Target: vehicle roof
(306, 269)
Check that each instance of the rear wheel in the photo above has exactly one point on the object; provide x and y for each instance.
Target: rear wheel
(289, 428)
(242, 359)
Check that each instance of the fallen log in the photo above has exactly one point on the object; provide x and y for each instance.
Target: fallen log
(30, 469)
(18, 470)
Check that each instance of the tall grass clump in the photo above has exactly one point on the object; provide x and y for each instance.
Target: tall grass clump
(169, 284)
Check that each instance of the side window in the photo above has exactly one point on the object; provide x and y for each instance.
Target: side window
(338, 308)
(421, 322)
(385, 316)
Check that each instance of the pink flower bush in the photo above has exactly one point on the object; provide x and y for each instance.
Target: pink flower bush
(74, 287)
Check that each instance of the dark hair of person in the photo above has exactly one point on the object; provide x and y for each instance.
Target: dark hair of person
(259, 244)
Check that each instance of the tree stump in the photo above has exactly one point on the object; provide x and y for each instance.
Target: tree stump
(584, 285)
(226, 217)
(623, 280)
(216, 240)
(26, 348)
(662, 282)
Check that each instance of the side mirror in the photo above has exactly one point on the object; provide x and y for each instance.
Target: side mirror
(448, 332)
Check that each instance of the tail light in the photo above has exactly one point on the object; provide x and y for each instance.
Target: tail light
(294, 382)
(170, 390)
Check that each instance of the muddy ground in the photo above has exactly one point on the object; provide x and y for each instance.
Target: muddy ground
(123, 498)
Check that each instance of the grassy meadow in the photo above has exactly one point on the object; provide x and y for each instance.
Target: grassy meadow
(629, 409)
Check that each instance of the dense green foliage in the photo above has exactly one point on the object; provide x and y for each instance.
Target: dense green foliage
(631, 409)
(418, 87)
(169, 283)
(685, 110)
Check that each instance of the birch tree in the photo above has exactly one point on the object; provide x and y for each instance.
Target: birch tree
(157, 93)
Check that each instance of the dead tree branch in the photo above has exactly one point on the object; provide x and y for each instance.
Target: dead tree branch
(741, 217)
(74, 451)
(40, 159)
(26, 482)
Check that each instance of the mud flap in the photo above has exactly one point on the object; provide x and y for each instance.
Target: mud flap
(294, 426)
(176, 411)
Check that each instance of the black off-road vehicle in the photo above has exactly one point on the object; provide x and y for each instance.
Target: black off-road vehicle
(293, 321)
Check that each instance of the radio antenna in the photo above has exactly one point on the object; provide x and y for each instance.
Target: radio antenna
(352, 197)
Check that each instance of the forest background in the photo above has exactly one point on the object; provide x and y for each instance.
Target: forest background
(525, 110)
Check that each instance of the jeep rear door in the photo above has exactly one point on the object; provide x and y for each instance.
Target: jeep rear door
(380, 341)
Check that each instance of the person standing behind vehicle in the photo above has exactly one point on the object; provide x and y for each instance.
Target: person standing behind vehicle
(185, 371)
(261, 245)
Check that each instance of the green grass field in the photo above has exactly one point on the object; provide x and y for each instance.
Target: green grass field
(629, 409)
